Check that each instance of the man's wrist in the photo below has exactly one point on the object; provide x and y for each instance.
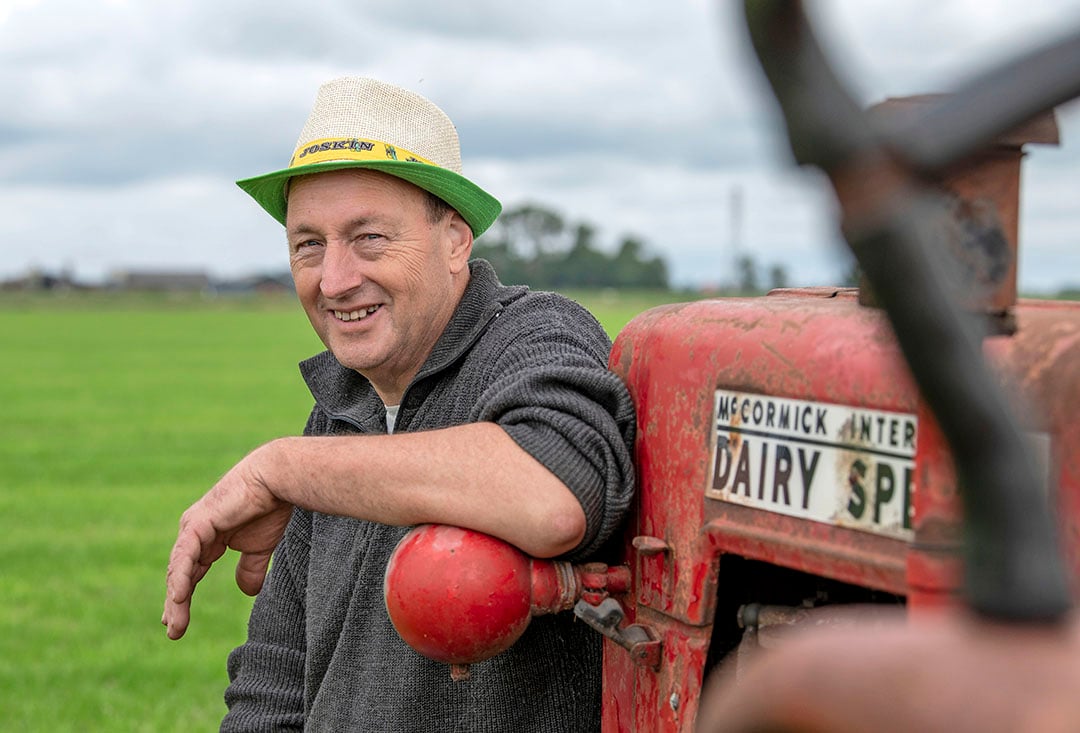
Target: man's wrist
(267, 468)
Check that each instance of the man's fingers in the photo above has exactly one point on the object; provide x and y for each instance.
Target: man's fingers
(180, 582)
(237, 512)
(180, 585)
(176, 618)
(189, 561)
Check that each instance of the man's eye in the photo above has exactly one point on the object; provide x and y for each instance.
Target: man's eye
(308, 244)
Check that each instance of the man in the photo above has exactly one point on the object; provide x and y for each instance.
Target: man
(503, 417)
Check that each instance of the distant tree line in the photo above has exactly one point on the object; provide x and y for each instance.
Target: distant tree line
(532, 245)
(748, 279)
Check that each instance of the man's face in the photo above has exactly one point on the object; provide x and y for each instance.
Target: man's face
(378, 279)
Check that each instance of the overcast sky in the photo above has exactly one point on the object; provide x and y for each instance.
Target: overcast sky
(123, 123)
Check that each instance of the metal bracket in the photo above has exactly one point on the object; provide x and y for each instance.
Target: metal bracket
(606, 618)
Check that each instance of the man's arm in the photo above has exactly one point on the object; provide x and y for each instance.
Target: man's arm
(473, 476)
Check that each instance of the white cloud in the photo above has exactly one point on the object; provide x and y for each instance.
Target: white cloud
(125, 123)
(9, 7)
(205, 224)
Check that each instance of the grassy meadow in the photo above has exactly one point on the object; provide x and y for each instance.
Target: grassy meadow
(116, 412)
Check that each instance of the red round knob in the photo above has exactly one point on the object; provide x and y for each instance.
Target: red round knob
(457, 596)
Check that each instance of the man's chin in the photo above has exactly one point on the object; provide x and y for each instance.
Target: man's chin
(348, 352)
(357, 362)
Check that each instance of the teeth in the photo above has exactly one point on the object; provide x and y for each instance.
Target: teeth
(355, 315)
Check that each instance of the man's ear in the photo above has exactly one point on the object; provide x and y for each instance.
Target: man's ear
(460, 238)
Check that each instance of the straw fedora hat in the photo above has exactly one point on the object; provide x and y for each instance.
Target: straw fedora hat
(364, 123)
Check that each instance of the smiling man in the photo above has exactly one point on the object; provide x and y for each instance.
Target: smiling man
(377, 272)
(444, 397)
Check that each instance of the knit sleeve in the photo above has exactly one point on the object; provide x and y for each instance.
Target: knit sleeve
(553, 394)
(266, 673)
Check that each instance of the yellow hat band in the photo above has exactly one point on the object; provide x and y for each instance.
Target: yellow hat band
(350, 148)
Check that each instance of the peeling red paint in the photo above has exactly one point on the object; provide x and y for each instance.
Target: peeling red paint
(819, 346)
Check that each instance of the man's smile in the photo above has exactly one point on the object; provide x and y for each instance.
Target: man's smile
(355, 315)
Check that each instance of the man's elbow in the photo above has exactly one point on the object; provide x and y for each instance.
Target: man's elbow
(561, 529)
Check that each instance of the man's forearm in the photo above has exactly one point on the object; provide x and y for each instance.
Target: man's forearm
(472, 476)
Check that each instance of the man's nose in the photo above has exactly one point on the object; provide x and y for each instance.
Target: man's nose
(342, 271)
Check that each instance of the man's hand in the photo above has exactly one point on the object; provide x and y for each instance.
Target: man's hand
(377, 478)
(241, 513)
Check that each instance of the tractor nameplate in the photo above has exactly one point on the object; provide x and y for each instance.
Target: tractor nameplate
(847, 466)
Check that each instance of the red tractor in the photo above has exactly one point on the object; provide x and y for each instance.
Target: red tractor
(828, 459)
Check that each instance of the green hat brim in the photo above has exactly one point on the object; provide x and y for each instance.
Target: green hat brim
(476, 206)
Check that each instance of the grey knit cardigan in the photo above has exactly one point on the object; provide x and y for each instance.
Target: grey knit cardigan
(321, 653)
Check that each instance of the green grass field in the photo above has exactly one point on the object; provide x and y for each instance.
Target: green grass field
(117, 413)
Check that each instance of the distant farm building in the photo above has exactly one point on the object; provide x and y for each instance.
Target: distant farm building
(168, 281)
